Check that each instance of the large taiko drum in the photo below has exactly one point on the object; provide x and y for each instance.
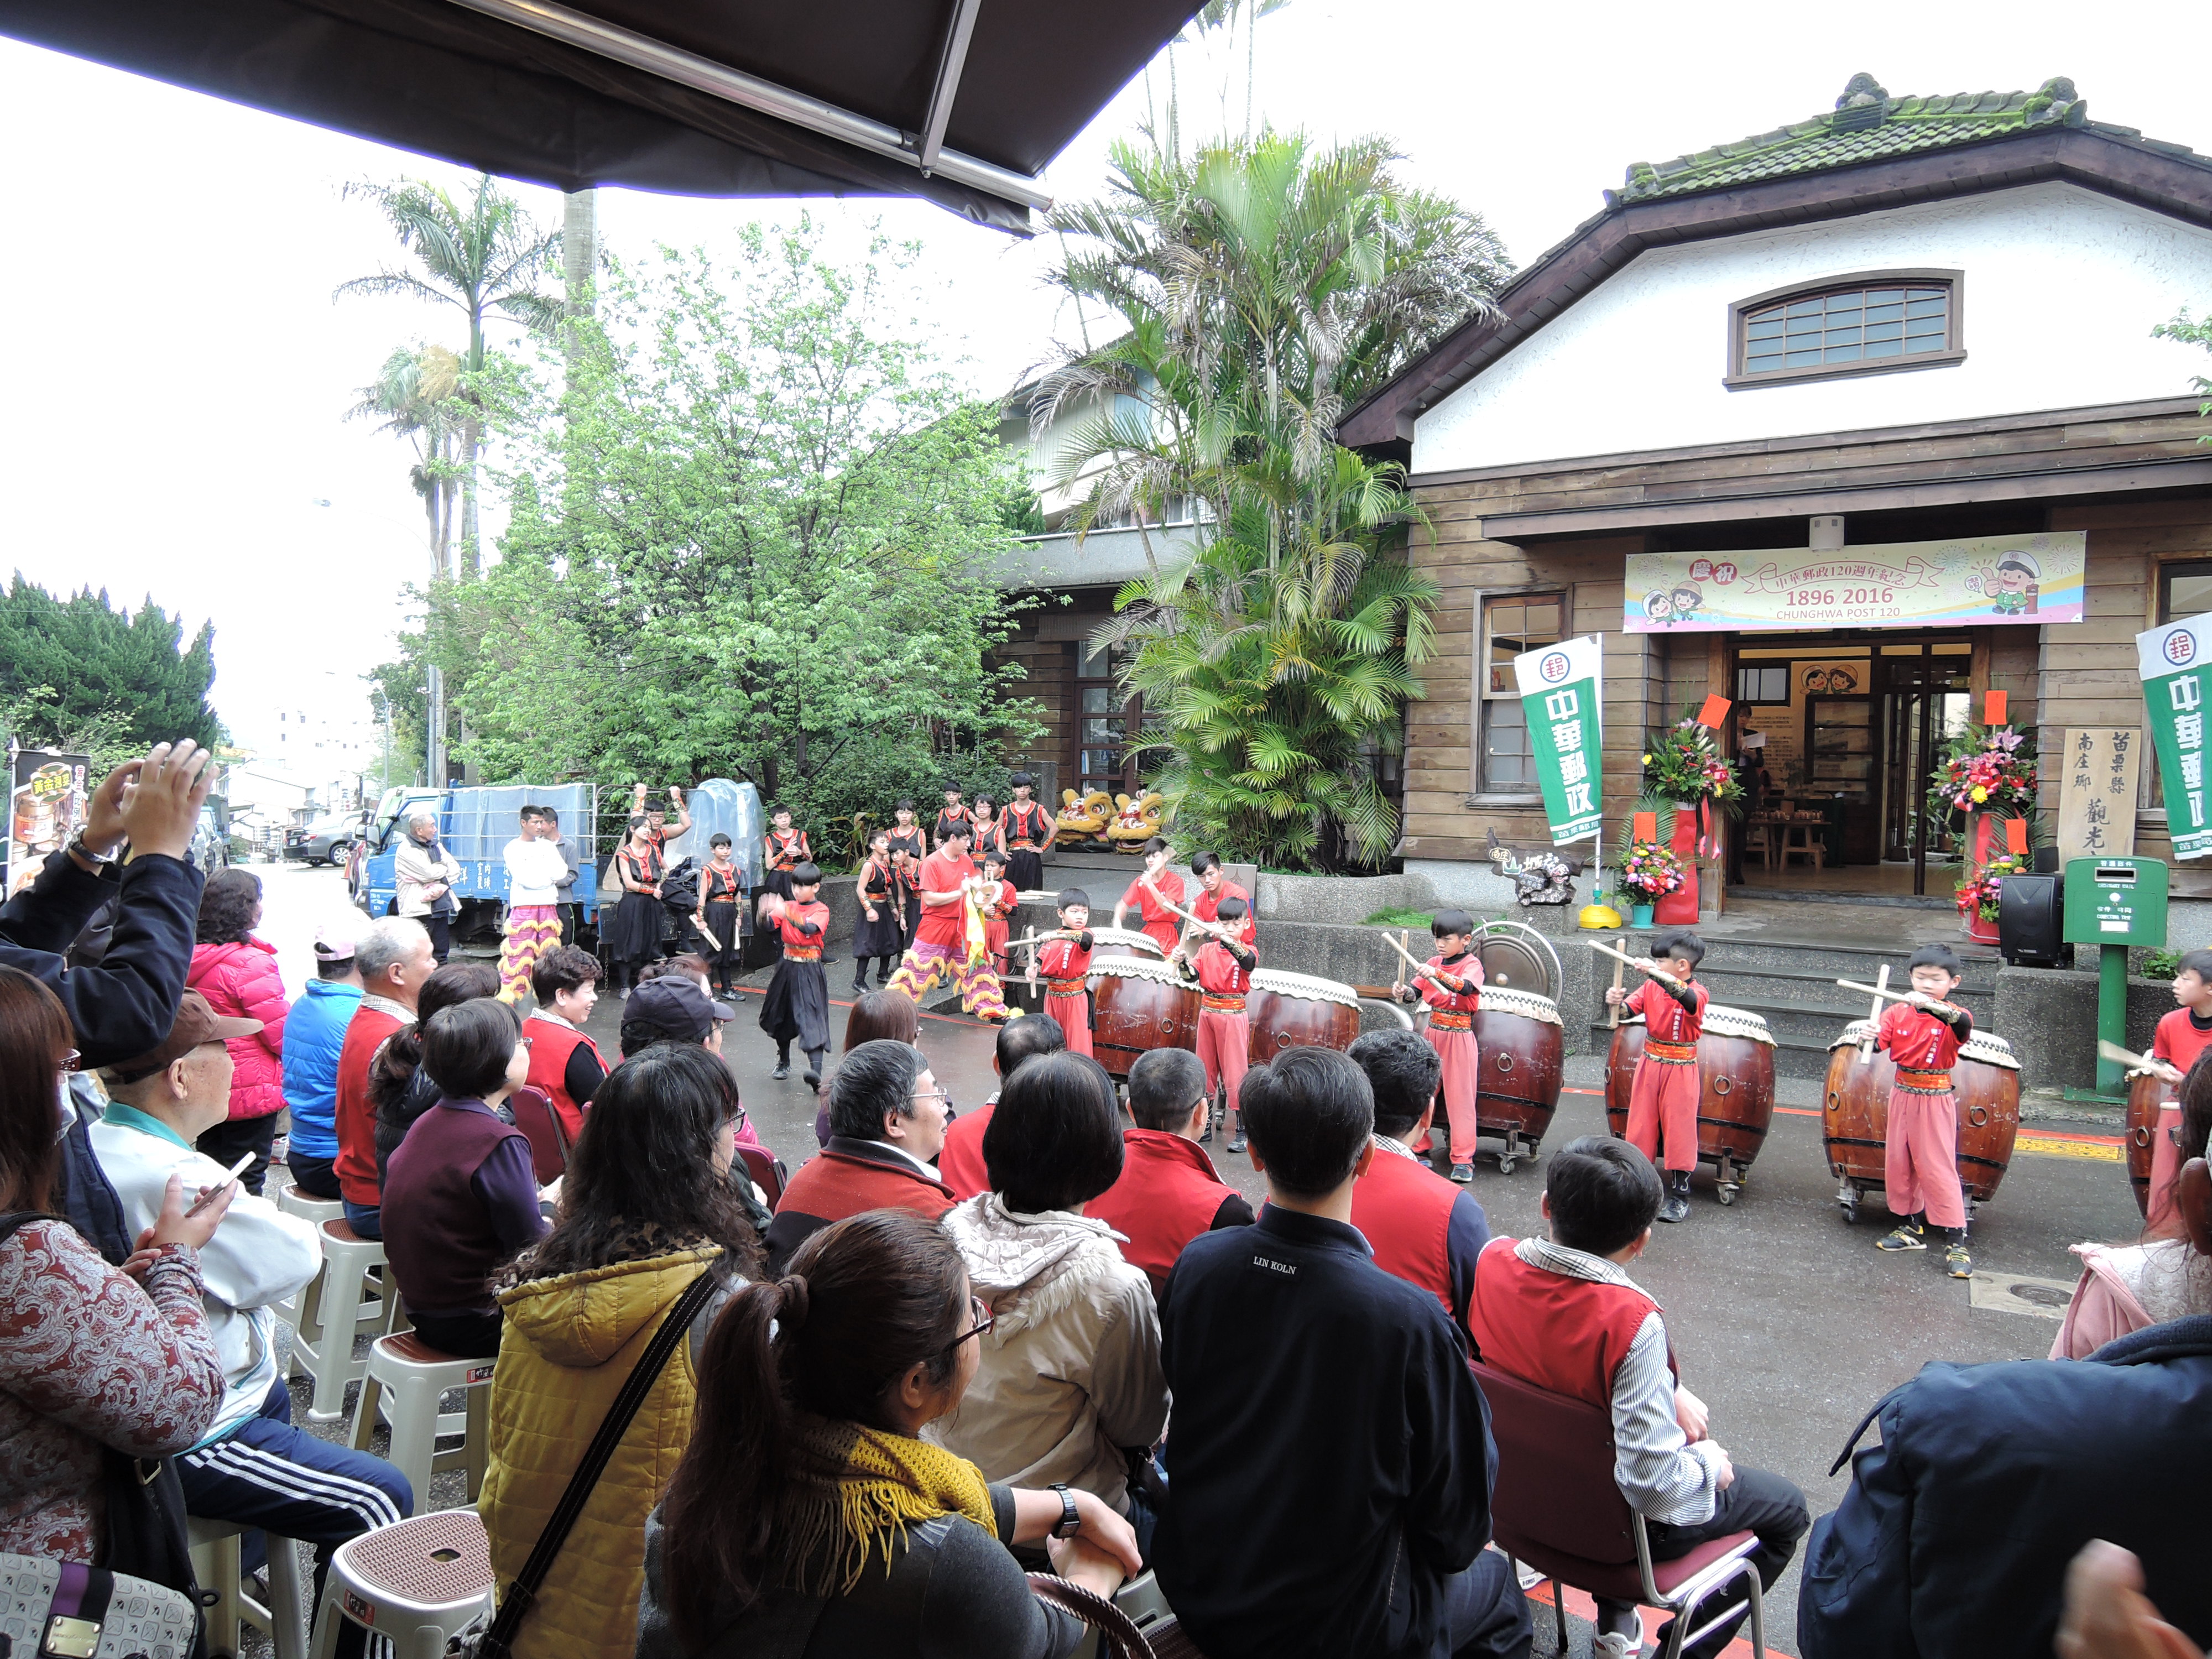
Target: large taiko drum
(1125, 942)
(1855, 1114)
(1736, 1089)
(1139, 1005)
(1521, 1054)
(2153, 1116)
(1298, 1010)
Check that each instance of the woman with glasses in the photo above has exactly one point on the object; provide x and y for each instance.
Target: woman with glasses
(648, 1205)
(91, 1361)
(1070, 1388)
(887, 1118)
(810, 1516)
(460, 1197)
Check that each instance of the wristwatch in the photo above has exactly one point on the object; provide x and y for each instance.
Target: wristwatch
(78, 850)
(1069, 1523)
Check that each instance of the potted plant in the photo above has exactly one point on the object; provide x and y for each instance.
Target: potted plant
(1651, 872)
(1683, 764)
(1979, 894)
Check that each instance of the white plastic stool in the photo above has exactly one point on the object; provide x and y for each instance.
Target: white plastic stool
(343, 1302)
(415, 1582)
(415, 1373)
(294, 1310)
(293, 1201)
(217, 1564)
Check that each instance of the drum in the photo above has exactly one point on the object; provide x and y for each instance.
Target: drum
(1298, 1010)
(1124, 942)
(1735, 1076)
(1521, 1052)
(2153, 1110)
(1855, 1116)
(1139, 1005)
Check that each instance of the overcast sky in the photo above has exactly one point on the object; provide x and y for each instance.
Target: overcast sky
(178, 372)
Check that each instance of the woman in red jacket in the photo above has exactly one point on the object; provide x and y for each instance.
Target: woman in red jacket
(237, 973)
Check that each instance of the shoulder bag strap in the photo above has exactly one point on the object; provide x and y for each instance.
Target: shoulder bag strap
(1117, 1632)
(515, 1604)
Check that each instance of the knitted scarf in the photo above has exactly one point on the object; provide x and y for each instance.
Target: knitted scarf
(861, 1489)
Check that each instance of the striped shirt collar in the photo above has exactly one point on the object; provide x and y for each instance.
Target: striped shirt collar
(1398, 1147)
(1577, 1264)
(399, 1011)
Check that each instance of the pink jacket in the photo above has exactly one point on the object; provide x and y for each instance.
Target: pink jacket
(241, 981)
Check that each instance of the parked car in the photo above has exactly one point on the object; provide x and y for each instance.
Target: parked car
(326, 841)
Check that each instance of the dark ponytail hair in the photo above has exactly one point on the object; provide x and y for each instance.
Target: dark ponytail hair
(864, 1301)
(392, 1073)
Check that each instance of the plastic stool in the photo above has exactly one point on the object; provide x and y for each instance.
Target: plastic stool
(216, 1564)
(343, 1302)
(293, 1201)
(293, 1309)
(416, 1583)
(414, 1374)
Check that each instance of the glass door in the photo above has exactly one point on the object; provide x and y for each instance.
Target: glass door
(1839, 741)
(1103, 720)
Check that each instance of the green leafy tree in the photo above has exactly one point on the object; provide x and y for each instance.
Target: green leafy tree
(753, 534)
(480, 255)
(82, 674)
(415, 397)
(1267, 287)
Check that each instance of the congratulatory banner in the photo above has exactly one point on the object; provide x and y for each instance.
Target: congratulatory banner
(2031, 579)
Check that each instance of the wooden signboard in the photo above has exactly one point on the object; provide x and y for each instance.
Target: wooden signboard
(2097, 775)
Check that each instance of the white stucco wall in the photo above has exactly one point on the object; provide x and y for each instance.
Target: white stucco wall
(2062, 289)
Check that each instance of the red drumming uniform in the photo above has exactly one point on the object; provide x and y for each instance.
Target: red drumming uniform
(2178, 1041)
(786, 849)
(1162, 923)
(1920, 1164)
(1224, 1036)
(803, 926)
(945, 925)
(1208, 908)
(996, 915)
(949, 818)
(1451, 1033)
(1064, 963)
(1663, 1103)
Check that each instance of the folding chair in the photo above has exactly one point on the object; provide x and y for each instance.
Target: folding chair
(541, 1127)
(767, 1172)
(1556, 1507)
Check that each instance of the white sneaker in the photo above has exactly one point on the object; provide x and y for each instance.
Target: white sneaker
(1611, 1644)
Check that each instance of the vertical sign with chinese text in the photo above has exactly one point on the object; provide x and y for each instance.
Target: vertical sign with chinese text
(2097, 793)
(2176, 664)
(1560, 691)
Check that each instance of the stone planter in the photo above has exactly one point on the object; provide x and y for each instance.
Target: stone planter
(1339, 898)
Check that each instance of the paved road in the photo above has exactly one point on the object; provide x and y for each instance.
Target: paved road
(1785, 1319)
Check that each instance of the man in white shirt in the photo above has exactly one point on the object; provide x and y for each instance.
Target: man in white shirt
(535, 870)
(253, 1467)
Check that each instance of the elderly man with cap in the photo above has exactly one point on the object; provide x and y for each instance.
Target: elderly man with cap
(424, 872)
(314, 1037)
(253, 1467)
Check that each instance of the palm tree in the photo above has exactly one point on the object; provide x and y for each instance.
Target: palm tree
(1267, 287)
(480, 256)
(413, 397)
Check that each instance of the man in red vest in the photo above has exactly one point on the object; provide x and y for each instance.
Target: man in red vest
(886, 1122)
(565, 1062)
(1168, 1194)
(1423, 1229)
(1563, 1315)
(960, 1165)
(394, 954)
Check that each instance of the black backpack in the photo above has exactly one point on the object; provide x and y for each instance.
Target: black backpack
(680, 888)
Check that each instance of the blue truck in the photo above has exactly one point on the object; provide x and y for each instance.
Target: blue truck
(475, 825)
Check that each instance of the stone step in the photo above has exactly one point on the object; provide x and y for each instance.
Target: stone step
(1816, 987)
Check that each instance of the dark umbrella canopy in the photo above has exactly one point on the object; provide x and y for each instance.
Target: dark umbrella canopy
(707, 98)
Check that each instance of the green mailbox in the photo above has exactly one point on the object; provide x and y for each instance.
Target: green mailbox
(2115, 901)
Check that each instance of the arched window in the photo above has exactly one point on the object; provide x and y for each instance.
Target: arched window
(1873, 323)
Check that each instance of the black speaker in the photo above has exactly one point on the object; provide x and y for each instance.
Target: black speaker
(2029, 909)
(2046, 861)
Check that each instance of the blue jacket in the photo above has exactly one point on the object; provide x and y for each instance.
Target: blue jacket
(313, 1033)
(1955, 1533)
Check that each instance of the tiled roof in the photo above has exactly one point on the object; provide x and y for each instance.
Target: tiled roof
(1867, 124)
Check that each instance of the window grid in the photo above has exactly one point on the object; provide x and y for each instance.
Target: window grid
(1511, 624)
(2184, 591)
(1850, 326)
(1767, 683)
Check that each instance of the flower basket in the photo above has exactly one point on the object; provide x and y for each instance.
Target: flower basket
(1683, 763)
(1978, 896)
(1983, 775)
(1651, 871)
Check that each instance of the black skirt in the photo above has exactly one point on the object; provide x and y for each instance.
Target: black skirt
(881, 938)
(777, 882)
(1025, 869)
(724, 922)
(798, 1006)
(913, 924)
(633, 932)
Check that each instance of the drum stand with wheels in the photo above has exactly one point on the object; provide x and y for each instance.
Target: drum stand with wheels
(1517, 1147)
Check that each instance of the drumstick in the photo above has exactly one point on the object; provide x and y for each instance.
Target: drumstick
(1619, 972)
(1874, 1017)
(706, 931)
(1420, 969)
(1917, 998)
(1398, 983)
(1650, 967)
(2134, 1062)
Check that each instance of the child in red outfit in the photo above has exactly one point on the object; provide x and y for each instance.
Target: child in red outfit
(998, 909)
(1224, 964)
(1663, 1103)
(1152, 894)
(1450, 982)
(798, 1000)
(1064, 963)
(2182, 1036)
(1920, 1167)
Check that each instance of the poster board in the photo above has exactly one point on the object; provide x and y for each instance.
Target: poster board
(45, 805)
(2097, 780)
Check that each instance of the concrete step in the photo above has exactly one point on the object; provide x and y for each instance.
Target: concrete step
(1816, 986)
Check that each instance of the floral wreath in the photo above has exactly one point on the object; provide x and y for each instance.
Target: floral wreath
(1978, 896)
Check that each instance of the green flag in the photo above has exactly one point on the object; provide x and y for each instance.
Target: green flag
(2176, 664)
(1559, 692)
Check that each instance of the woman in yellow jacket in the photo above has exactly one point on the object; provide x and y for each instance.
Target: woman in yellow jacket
(647, 1205)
